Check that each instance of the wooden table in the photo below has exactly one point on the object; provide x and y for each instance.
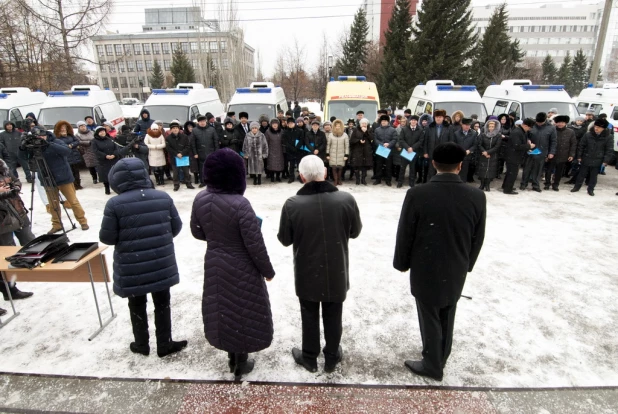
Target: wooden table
(92, 268)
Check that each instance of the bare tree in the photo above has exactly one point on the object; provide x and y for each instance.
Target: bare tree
(373, 66)
(321, 73)
(259, 75)
(297, 77)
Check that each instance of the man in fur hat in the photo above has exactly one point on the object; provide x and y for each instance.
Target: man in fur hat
(438, 132)
(543, 136)
(566, 145)
(385, 136)
(595, 149)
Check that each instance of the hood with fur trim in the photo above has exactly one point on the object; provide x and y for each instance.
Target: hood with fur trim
(461, 116)
(59, 125)
(338, 128)
(427, 117)
(496, 130)
(156, 133)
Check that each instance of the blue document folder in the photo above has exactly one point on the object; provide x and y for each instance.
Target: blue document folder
(383, 151)
(408, 155)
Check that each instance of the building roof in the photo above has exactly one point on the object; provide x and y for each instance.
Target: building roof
(166, 34)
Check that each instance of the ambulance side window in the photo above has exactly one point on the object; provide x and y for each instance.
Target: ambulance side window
(98, 116)
(582, 107)
(429, 108)
(16, 117)
(419, 108)
(500, 108)
(194, 112)
(517, 109)
(615, 114)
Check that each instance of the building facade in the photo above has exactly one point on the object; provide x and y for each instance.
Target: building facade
(125, 61)
(549, 29)
(379, 12)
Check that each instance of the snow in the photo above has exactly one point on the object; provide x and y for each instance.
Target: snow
(543, 312)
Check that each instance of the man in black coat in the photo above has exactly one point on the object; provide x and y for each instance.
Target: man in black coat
(436, 133)
(293, 141)
(440, 235)
(466, 138)
(204, 140)
(410, 140)
(516, 148)
(595, 149)
(543, 136)
(243, 126)
(179, 147)
(319, 221)
(315, 140)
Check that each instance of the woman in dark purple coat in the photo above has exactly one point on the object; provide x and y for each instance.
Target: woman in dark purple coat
(235, 303)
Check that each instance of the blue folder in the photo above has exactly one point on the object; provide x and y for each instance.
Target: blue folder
(536, 151)
(383, 151)
(408, 155)
(182, 162)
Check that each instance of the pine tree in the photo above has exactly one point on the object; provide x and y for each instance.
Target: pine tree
(355, 46)
(589, 71)
(579, 72)
(157, 79)
(564, 73)
(444, 36)
(394, 85)
(181, 69)
(496, 56)
(549, 70)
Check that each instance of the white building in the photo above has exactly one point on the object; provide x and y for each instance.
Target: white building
(549, 29)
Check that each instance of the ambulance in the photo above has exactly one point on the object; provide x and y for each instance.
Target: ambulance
(444, 94)
(185, 102)
(81, 101)
(260, 98)
(600, 100)
(527, 100)
(16, 103)
(348, 95)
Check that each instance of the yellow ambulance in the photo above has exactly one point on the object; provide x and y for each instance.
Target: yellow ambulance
(348, 95)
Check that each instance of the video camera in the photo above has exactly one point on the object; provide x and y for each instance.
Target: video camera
(32, 140)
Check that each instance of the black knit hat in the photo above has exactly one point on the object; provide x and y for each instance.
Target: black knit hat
(449, 153)
(414, 117)
(291, 120)
(541, 117)
(601, 123)
(562, 118)
(382, 111)
(385, 118)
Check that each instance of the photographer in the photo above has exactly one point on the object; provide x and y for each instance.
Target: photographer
(10, 139)
(133, 145)
(55, 153)
(63, 131)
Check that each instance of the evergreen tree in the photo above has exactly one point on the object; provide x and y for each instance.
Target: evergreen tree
(394, 82)
(579, 72)
(355, 46)
(549, 70)
(444, 37)
(496, 56)
(564, 73)
(182, 71)
(589, 71)
(157, 79)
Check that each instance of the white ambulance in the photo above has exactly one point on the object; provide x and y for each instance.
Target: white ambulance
(81, 101)
(444, 94)
(260, 98)
(185, 102)
(600, 100)
(16, 103)
(348, 95)
(527, 100)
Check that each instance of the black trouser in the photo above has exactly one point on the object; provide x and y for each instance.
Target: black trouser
(24, 235)
(532, 170)
(436, 325)
(402, 173)
(589, 172)
(162, 314)
(75, 172)
(431, 171)
(291, 163)
(93, 172)
(331, 317)
(559, 170)
(465, 166)
(384, 162)
(200, 168)
(512, 170)
(176, 171)
(22, 156)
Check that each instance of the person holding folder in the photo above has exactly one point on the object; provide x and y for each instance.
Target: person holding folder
(179, 148)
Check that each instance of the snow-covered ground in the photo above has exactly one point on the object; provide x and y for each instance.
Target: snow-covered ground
(543, 312)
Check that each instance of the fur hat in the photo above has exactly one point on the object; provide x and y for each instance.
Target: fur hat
(304, 109)
(201, 118)
(439, 112)
(580, 118)
(562, 118)
(385, 118)
(315, 122)
(275, 121)
(601, 123)
(80, 123)
(466, 121)
(254, 125)
(541, 117)
(224, 172)
(414, 117)
(382, 111)
(99, 128)
(311, 115)
(231, 114)
(59, 125)
(360, 113)
(228, 121)
(242, 115)
(449, 153)
(351, 121)
(174, 123)
(327, 123)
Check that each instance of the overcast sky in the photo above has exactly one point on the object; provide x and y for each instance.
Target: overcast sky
(272, 25)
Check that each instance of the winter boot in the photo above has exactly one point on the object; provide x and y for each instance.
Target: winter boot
(576, 188)
(242, 366)
(16, 294)
(425, 173)
(482, 186)
(190, 186)
(309, 365)
(331, 364)
(2, 312)
(259, 179)
(357, 179)
(78, 185)
(487, 183)
(176, 187)
(163, 325)
(272, 178)
(196, 178)
(278, 177)
(107, 191)
(364, 177)
(139, 321)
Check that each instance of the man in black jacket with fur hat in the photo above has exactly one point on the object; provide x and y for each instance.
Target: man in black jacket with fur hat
(410, 140)
(543, 136)
(595, 149)
(440, 235)
(436, 133)
(516, 147)
(466, 138)
(566, 146)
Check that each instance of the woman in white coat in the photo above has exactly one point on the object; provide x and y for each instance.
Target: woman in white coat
(155, 141)
(337, 150)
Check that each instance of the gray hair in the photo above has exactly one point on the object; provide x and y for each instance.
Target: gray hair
(312, 168)
(363, 121)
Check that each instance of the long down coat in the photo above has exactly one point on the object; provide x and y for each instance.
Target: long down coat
(85, 141)
(489, 142)
(361, 154)
(255, 149)
(337, 145)
(102, 147)
(235, 302)
(275, 161)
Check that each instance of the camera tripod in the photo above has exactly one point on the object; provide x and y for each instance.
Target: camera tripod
(49, 184)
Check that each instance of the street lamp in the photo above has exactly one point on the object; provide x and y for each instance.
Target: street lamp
(330, 66)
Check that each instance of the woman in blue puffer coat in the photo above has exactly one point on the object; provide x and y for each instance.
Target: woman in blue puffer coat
(64, 132)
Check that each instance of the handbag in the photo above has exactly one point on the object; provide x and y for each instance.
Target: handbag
(40, 250)
(9, 218)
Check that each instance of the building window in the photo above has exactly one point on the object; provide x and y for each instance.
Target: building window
(115, 83)
(123, 82)
(167, 64)
(163, 28)
(136, 49)
(156, 49)
(103, 67)
(523, 41)
(533, 41)
(130, 66)
(118, 49)
(100, 50)
(543, 40)
(185, 47)
(194, 63)
(112, 67)
(194, 48)
(177, 27)
(141, 81)
(140, 66)
(109, 51)
(132, 83)
(166, 48)
(225, 63)
(146, 47)
(213, 46)
(105, 83)
(127, 50)
(175, 45)
(121, 67)
(149, 65)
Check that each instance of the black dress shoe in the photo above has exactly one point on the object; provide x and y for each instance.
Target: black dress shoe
(2, 312)
(418, 368)
(190, 186)
(555, 188)
(377, 182)
(388, 183)
(330, 366)
(591, 193)
(522, 188)
(16, 294)
(202, 185)
(399, 185)
(538, 190)
(575, 189)
(546, 188)
(510, 192)
(176, 187)
(311, 366)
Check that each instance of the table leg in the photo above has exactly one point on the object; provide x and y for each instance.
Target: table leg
(15, 313)
(96, 302)
(105, 277)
